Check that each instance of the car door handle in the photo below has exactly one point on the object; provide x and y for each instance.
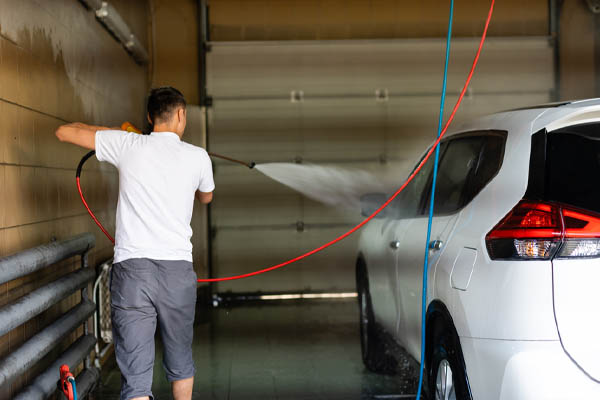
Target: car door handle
(395, 245)
(436, 245)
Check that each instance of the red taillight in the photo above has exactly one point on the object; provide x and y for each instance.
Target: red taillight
(580, 224)
(529, 220)
(539, 231)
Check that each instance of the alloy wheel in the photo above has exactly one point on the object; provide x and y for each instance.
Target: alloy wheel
(364, 321)
(444, 383)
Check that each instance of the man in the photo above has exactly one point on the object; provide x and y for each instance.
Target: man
(153, 280)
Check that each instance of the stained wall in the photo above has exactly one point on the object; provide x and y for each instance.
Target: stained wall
(233, 20)
(58, 64)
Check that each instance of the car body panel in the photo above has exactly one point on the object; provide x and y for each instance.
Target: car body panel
(576, 299)
(524, 370)
(382, 280)
(409, 267)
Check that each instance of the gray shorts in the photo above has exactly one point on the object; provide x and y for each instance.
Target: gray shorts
(144, 292)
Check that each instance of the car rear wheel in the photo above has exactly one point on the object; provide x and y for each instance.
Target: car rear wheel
(447, 376)
(444, 388)
(371, 342)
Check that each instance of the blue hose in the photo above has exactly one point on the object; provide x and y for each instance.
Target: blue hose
(431, 204)
(72, 381)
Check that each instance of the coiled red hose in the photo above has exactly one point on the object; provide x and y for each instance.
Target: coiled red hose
(370, 217)
(77, 176)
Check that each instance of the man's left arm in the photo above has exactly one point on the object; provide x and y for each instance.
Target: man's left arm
(80, 134)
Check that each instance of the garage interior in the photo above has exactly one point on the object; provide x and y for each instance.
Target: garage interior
(346, 84)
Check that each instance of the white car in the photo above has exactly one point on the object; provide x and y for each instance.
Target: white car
(514, 280)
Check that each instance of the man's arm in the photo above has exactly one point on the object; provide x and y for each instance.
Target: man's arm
(80, 134)
(204, 197)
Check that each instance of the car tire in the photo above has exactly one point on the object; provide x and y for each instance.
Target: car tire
(372, 343)
(447, 376)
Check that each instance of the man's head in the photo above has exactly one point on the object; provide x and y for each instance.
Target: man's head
(166, 110)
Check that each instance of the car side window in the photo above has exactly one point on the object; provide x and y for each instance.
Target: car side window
(467, 165)
(409, 204)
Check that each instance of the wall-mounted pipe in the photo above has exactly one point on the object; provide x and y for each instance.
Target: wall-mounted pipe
(44, 384)
(108, 15)
(85, 382)
(92, 4)
(33, 303)
(32, 351)
(28, 261)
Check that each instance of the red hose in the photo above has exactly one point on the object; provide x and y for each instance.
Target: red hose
(91, 213)
(384, 205)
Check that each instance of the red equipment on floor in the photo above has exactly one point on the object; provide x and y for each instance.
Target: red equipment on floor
(67, 383)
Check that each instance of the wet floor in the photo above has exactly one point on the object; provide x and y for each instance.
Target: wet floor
(295, 350)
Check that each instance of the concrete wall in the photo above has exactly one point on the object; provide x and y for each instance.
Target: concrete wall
(175, 25)
(577, 41)
(233, 20)
(58, 64)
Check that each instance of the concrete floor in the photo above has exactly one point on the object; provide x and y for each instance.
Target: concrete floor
(294, 350)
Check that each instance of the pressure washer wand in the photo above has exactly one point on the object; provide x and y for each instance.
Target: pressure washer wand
(249, 165)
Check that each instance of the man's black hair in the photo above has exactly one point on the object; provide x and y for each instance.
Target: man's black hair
(162, 102)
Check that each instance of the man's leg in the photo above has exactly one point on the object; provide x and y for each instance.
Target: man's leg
(176, 305)
(182, 390)
(134, 324)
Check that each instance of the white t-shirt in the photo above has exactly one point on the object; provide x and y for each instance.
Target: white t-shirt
(158, 177)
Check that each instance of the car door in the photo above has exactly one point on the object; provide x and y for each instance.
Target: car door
(460, 157)
(407, 207)
(382, 273)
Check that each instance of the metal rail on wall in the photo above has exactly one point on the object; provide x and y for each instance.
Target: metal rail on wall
(23, 309)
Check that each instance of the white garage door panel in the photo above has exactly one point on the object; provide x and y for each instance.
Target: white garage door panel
(239, 181)
(255, 130)
(278, 211)
(342, 130)
(248, 250)
(347, 130)
(339, 122)
(350, 67)
(317, 213)
(317, 130)
(255, 210)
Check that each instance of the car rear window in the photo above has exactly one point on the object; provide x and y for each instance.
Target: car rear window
(573, 166)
